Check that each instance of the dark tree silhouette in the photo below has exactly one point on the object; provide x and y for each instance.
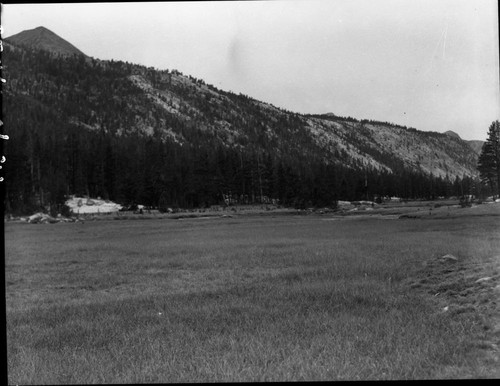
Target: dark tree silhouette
(489, 159)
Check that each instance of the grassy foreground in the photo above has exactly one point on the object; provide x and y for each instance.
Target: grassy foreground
(252, 299)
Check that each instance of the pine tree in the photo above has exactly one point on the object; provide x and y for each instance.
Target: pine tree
(489, 160)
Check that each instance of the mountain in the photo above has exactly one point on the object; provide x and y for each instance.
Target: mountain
(452, 134)
(132, 133)
(475, 145)
(43, 38)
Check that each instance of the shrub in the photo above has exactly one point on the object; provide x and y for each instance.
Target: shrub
(65, 211)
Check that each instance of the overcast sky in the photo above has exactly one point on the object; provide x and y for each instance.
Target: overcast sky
(428, 64)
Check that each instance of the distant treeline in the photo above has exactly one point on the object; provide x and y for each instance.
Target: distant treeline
(48, 161)
(362, 121)
(72, 126)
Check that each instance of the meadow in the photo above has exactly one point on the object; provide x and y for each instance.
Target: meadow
(254, 298)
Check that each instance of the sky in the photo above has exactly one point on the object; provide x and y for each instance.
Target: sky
(427, 64)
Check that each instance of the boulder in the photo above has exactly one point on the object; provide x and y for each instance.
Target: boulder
(448, 257)
(41, 218)
(344, 205)
(48, 219)
(35, 218)
(81, 205)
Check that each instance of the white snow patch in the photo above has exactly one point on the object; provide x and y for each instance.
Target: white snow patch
(84, 205)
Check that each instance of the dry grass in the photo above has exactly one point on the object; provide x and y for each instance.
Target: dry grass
(250, 299)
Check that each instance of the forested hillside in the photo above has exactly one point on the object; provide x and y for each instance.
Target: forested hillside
(132, 134)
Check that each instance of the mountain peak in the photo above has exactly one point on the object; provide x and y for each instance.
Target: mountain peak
(452, 134)
(43, 38)
(41, 28)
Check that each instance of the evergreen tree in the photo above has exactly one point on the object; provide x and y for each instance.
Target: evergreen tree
(489, 160)
(84, 127)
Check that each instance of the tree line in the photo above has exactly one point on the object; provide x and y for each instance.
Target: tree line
(73, 125)
(50, 159)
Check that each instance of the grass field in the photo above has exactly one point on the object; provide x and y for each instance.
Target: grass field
(271, 298)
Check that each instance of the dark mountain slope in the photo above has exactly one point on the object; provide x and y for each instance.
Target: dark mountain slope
(452, 134)
(43, 38)
(477, 146)
(79, 125)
